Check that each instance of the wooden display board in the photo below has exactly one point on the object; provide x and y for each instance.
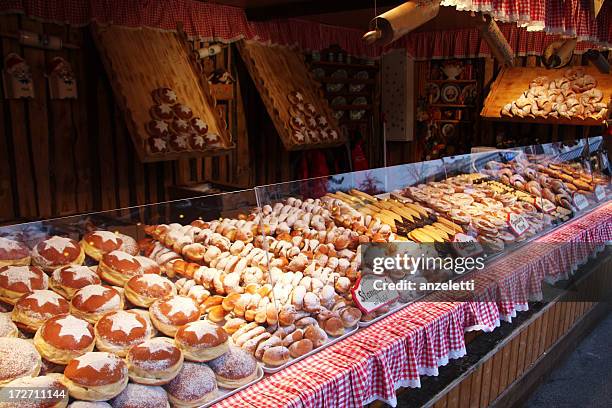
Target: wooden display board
(278, 71)
(512, 82)
(140, 60)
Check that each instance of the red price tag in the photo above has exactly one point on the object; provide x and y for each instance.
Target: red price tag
(600, 193)
(580, 201)
(370, 293)
(544, 205)
(466, 245)
(517, 223)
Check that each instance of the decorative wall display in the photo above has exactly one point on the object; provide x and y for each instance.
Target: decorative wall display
(572, 96)
(161, 93)
(293, 98)
(62, 81)
(17, 78)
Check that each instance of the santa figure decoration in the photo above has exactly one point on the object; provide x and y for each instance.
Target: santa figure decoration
(62, 83)
(17, 78)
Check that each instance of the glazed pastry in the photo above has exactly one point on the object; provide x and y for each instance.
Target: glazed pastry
(154, 362)
(18, 358)
(234, 369)
(98, 243)
(15, 281)
(56, 252)
(93, 301)
(7, 327)
(13, 253)
(68, 280)
(117, 267)
(64, 337)
(194, 386)
(145, 289)
(173, 312)
(117, 331)
(31, 310)
(95, 376)
(201, 341)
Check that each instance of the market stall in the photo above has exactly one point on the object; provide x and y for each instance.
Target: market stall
(154, 246)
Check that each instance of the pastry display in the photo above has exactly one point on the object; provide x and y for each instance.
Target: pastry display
(96, 244)
(32, 309)
(118, 331)
(154, 362)
(201, 341)
(95, 376)
(193, 386)
(18, 358)
(143, 290)
(306, 124)
(56, 252)
(13, 253)
(93, 301)
(16, 281)
(69, 279)
(572, 96)
(63, 338)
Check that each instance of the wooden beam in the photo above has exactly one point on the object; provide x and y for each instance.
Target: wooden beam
(308, 8)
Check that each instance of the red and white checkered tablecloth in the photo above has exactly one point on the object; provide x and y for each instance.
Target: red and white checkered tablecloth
(372, 363)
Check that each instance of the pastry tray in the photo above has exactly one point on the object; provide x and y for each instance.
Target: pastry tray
(332, 340)
(224, 392)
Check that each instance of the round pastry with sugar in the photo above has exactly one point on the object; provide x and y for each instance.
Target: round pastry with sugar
(97, 243)
(95, 376)
(182, 111)
(129, 245)
(7, 327)
(213, 140)
(13, 253)
(141, 396)
(32, 309)
(55, 393)
(117, 267)
(170, 313)
(56, 252)
(180, 142)
(18, 358)
(158, 128)
(89, 404)
(145, 289)
(64, 337)
(180, 126)
(16, 281)
(69, 279)
(197, 141)
(158, 144)
(117, 331)
(193, 386)
(148, 265)
(234, 368)
(162, 111)
(165, 95)
(202, 341)
(199, 126)
(154, 362)
(93, 301)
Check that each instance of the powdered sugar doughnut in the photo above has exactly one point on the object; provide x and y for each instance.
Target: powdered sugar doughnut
(69, 279)
(98, 243)
(56, 252)
(154, 362)
(145, 289)
(141, 396)
(129, 245)
(118, 267)
(13, 253)
(163, 111)
(15, 281)
(173, 312)
(18, 358)
(64, 337)
(7, 327)
(93, 301)
(234, 368)
(31, 310)
(193, 386)
(165, 95)
(201, 341)
(55, 392)
(95, 376)
(89, 404)
(117, 331)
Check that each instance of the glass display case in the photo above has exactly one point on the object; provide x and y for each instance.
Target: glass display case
(277, 266)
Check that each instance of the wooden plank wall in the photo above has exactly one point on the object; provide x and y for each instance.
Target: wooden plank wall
(405, 152)
(493, 375)
(62, 157)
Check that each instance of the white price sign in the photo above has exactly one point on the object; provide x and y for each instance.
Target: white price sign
(466, 245)
(544, 205)
(369, 293)
(600, 192)
(580, 201)
(517, 223)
